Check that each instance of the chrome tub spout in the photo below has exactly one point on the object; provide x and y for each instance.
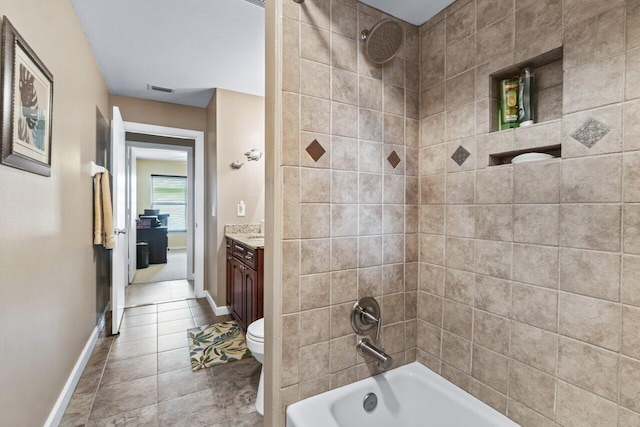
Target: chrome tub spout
(367, 349)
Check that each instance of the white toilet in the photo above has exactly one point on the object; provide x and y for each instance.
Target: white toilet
(255, 343)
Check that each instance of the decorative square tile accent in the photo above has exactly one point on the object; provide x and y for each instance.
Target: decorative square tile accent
(394, 159)
(316, 150)
(460, 155)
(590, 133)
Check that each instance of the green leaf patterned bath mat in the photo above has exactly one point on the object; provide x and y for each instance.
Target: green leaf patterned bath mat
(215, 344)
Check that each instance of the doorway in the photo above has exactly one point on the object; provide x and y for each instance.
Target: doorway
(160, 210)
(185, 248)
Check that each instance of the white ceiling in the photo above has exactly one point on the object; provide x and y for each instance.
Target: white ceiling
(160, 154)
(193, 46)
(416, 12)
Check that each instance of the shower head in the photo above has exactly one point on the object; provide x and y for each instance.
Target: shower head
(383, 41)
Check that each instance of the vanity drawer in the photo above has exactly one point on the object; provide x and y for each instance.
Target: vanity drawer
(244, 254)
(238, 250)
(229, 245)
(250, 258)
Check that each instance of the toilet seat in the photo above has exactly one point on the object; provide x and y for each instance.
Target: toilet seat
(255, 331)
(255, 339)
(255, 343)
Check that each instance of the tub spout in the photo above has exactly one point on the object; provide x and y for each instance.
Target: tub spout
(366, 348)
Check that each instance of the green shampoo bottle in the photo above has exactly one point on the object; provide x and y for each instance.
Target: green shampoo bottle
(509, 103)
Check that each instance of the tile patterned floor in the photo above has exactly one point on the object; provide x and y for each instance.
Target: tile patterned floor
(143, 376)
(152, 293)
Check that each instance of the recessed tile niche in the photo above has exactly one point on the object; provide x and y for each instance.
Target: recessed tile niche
(547, 70)
(505, 158)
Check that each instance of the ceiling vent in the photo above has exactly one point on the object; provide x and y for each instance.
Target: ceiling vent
(160, 88)
(256, 2)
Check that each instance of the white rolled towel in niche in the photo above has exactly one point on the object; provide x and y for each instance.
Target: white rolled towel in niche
(531, 157)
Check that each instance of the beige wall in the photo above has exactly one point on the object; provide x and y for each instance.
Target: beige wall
(347, 217)
(529, 273)
(144, 170)
(47, 272)
(239, 127)
(160, 113)
(211, 170)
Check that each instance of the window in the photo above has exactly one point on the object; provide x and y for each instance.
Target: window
(169, 195)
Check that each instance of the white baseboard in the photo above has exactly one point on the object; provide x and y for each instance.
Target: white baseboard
(218, 311)
(65, 396)
(175, 248)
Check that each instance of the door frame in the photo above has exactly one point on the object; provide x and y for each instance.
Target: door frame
(198, 204)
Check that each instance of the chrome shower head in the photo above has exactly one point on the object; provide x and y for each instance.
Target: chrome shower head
(383, 41)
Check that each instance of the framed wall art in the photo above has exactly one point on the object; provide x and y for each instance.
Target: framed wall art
(27, 105)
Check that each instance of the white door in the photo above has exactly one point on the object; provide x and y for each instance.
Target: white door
(119, 254)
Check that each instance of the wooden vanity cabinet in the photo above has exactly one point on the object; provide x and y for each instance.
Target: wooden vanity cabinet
(238, 290)
(245, 288)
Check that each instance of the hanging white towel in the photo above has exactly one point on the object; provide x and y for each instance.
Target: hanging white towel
(97, 209)
(103, 213)
(109, 240)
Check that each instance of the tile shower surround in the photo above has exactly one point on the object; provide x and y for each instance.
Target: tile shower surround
(528, 293)
(529, 274)
(350, 183)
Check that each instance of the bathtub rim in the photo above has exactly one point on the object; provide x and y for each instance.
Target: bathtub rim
(298, 414)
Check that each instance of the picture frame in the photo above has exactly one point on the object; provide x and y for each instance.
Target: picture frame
(27, 105)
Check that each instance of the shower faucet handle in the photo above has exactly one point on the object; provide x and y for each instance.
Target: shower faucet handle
(365, 316)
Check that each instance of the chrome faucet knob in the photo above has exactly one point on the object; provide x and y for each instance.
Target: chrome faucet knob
(368, 317)
(365, 316)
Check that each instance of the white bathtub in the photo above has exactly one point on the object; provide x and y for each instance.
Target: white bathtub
(409, 396)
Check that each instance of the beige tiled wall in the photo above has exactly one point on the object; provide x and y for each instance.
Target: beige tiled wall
(529, 278)
(347, 217)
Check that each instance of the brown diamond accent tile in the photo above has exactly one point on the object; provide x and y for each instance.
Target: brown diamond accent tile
(394, 159)
(460, 155)
(315, 150)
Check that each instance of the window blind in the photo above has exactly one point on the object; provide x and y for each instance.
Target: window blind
(169, 195)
